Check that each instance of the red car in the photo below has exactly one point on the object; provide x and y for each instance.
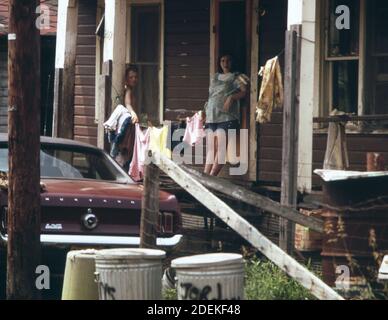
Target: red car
(90, 200)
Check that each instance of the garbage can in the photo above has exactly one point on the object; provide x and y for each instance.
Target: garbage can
(78, 283)
(129, 274)
(217, 276)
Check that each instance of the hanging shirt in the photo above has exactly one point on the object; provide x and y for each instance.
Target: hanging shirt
(222, 86)
(271, 92)
(194, 130)
(141, 146)
(158, 141)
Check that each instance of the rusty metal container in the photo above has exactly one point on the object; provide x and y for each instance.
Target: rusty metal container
(356, 225)
(307, 240)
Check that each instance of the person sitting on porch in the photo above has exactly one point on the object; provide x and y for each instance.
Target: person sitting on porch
(222, 113)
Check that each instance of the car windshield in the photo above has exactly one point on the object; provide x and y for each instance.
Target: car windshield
(67, 162)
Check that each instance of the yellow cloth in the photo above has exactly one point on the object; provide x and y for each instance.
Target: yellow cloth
(158, 141)
(271, 92)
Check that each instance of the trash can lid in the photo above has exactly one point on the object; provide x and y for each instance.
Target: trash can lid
(130, 254)
(82, 254)
(207, 260)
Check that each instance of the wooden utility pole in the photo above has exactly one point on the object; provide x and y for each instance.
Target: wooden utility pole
(24, 144)
(150, 206)
(289, 190)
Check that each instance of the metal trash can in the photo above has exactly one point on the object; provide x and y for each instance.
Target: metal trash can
(129, 274)
(78, 282)
(218, 276)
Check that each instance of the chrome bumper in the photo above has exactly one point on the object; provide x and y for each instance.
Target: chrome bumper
(61, 240)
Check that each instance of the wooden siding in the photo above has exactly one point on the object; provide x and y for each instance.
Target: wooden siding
(187, 55)
(3, 86)
(85, 129)
(273, 26)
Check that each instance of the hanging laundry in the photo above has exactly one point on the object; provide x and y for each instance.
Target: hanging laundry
(141, 146)
(336, 156)
(116, 128)
(158, 141)
(194, 130)
(271, 92)
(117, 118)
(126, 146)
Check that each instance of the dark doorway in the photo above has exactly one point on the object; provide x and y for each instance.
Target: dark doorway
(232, 33)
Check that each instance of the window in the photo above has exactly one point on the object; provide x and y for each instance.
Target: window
(377, 57)
(58, 162)
(355, 68)
(342, 58)
(145, 53)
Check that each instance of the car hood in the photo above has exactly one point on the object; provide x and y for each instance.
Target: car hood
(99, 190)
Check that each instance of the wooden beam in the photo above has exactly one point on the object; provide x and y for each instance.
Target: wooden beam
(285, 262)
(23, 252)
(150, 207)
(63, 122)
(104, 102)
(115, 45)
(289, 185)
(253, 141)
(256, 200)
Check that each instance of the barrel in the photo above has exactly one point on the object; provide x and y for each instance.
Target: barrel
(129, 274)
(79, 281)
(217, 276)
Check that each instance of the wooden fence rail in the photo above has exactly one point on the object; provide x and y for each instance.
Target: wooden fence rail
(285, 262)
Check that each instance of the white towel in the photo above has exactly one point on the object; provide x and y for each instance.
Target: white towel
(117, 118)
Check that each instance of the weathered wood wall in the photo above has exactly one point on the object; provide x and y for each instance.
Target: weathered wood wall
(85, 129)
(187, 56)
(273, 25)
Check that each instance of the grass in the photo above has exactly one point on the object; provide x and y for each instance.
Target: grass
(265, 281)
(170, 294)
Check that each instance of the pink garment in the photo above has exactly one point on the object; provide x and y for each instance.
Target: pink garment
(194, 130)
(140, 149)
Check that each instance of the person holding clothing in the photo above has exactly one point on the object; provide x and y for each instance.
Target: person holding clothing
(121, 124)
(222, 113)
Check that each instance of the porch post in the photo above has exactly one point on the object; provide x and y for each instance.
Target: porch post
(303, 13)
(115, 45)
(63, 118)
(309, 95)
(110, 83)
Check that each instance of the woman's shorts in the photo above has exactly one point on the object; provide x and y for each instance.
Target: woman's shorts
(229, 125)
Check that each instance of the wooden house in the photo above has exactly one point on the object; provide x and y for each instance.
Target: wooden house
(176, 43)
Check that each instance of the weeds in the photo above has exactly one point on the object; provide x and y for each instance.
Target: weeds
(265, 281)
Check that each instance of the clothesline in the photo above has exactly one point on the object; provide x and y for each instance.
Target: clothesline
(160, 139)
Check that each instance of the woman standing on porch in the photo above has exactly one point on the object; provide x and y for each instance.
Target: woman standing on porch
(222, 113)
